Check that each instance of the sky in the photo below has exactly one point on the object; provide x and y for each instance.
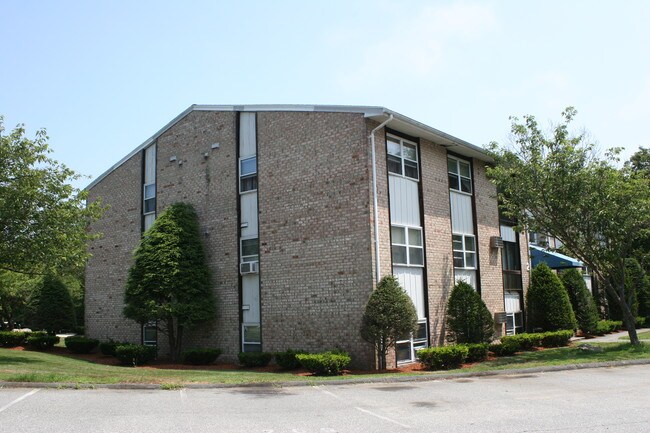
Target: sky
(104, 76)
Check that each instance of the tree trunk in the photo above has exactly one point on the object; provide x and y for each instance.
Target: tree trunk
(628, 318)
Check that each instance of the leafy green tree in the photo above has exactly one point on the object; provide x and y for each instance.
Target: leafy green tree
(548, 304)
(584, 306)
(635, 291)
(389, 316)
(15, 292)
(555, 184)
(43, 219)
(468, 318)
(169, 283)
(53, 307)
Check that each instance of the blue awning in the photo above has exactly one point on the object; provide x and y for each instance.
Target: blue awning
(552, 259)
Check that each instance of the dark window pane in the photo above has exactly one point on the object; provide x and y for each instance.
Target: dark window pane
(150, 205)
(464, 169)
(465, 184)
(470, 260)
(411, 169)
(393, 148)
(403, 352)
(452, 166)
(511, 256)
(252, 347)
(149, 191)
(399, 255)
(397, 235)
(416, 256)
(421, 333)
(249, 183)
(252, 334)
(512, 281)
(249, 247)
(458, 242)
(394, 164)
(469, 243)
(410, 152)
(453, 181)
(459, 260)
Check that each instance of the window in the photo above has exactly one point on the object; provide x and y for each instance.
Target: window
(252, 337)
(406, 348)
(250, 250)
(248, 174)
(149, 205)
(460, 175)
(464, 251)
(150, 334)
(402, 157)
(407, 246)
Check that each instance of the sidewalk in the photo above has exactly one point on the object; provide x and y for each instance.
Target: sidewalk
(609, 338)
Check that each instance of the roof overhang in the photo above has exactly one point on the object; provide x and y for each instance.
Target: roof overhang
(399, 123)
(553, 259)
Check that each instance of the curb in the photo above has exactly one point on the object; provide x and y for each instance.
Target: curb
(381, 380)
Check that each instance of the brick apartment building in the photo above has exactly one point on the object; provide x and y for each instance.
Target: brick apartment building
(301, 208)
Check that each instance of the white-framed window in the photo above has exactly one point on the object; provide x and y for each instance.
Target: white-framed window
(464, 247)
(460, 174)
(149, 198)
(250, 250)
(150, 334)
(514, 323)
(248, 174)
(251, 337)
(406, 349)
(402, 156)
(407, 247)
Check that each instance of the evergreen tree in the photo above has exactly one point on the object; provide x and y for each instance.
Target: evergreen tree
(53, 307)
(389, 316)
(584, 306)
(468, 318)
(169, 283)
(548, 304)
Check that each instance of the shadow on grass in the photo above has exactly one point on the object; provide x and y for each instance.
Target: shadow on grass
(9, 359)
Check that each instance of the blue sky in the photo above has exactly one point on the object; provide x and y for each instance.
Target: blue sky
(102, 77)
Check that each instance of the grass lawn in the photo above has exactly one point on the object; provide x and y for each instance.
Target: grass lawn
(30, 366)
(645, 335)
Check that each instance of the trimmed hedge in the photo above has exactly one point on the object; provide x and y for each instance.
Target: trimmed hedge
(108, 347)
(42, 340)
(526, 341)
(78, 344)
(288, 360)
(556, 339)
(325, 363)
(135, 354)
(444, 357)
(12, 339)
(201, 356)
(254, 359)
(476, 352)
(607, 326)
(507, 348)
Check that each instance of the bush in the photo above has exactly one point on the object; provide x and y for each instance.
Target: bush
(42, 340)
(255, 359)
(135, 354)
(468, 319)
(54, 309)
(476, 352)
(78, 344)
(525, 341)
(507, 348)
(201, 356)
(640, 322)
(608, 326)
(549, 308)
(288, 360)
(108, 347)
(583, 304)
(556, 339)
(325, 363)
(12, 339)
(444, 357)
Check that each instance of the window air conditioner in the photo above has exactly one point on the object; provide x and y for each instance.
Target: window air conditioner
(249, 268)
(500, 317)
(496, 242)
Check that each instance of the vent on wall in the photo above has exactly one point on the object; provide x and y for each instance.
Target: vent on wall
(496, 242)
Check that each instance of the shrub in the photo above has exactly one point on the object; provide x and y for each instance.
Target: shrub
(54, 309)
(42, 340)
(507, 348)
(476, 352)
(556, 339)
(640, 322)
(325, 363)
(201, 356)
(255, 359)
(12, 339)
(135, 354)
(78, 344)
(389, 315)
(444, 357)
(607, 326)
(468, 319)
(583, 304)
(549, 308)
(526, 341)
(108, 347)
(288, 360)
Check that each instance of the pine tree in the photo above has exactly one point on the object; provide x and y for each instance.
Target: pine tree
(468, 318)
(548, 304)
(53, 306)
(584, 306)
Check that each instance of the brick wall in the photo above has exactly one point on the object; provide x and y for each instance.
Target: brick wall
(315, 259)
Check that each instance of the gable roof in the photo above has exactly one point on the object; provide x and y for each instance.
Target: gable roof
(399, 123)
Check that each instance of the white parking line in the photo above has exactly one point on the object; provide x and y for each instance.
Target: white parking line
(8, 405)
(382, 417)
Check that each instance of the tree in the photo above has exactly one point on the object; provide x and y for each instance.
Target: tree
(635, 291)
(584, 306)
(53, 307)
(15, 292)
(169, 283)
(468, 318)
(43, 219)
(548, 305)
(389, 316)
(556, 184)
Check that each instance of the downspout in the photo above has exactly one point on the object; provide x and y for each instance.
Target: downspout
(374, 195)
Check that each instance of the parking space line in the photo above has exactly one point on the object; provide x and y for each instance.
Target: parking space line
(385, 418)
(23, 397)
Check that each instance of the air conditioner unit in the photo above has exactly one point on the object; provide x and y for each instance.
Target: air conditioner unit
(249, 268)
(500, 317)
(496, 242)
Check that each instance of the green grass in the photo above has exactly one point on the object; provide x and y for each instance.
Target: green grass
(29, 366)
(645, 335)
